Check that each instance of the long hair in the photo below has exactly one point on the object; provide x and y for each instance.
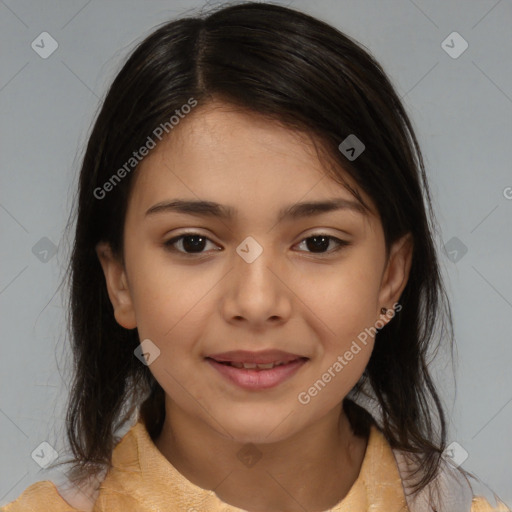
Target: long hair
(302, 72)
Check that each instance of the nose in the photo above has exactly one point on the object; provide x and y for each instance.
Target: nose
(256, 291)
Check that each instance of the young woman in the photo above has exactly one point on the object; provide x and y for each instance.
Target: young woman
(254, 283)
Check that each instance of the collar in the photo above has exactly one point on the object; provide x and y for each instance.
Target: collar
(142, 478)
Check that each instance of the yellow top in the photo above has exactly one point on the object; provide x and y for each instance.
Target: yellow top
(143, 480)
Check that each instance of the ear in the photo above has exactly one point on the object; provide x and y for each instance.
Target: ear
(396, 275)
(117, 286)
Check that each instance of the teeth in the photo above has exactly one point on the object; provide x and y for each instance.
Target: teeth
(249, 366)
(266, 366)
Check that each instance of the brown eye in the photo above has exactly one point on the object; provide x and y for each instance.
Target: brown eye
(319, 243)
(192, 243)
(195, 243)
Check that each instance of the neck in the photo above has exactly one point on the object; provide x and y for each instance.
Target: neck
(314, 469)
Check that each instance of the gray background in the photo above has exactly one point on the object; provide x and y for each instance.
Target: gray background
(462, 111)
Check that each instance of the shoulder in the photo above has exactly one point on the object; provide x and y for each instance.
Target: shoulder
(450, 489)
(480, 504)
(62, 496)
(39, 497)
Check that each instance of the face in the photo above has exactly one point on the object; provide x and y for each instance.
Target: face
(308, 285)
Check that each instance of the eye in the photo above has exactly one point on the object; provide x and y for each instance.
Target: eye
(321, 241)
(193, 242)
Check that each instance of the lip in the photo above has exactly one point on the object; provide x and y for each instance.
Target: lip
(261, 357)
(255, 379)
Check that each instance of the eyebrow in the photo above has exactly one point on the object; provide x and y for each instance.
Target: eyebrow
(295, 211)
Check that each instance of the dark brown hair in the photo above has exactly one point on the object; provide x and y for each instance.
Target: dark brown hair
(304, 73)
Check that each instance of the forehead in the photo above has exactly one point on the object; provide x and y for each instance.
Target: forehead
(235, 156)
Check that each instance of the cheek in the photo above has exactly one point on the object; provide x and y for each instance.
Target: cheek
(172, 305)
(341, 302)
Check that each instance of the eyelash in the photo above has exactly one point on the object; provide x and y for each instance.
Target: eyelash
(169, 245)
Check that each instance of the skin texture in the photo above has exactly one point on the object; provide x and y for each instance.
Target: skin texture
(291, 298)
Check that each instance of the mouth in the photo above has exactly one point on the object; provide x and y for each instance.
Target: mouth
(256, 366)
(258, 372)
(263, 357)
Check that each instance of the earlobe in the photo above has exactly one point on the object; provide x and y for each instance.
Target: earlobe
(395, 275)
(117, 286)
